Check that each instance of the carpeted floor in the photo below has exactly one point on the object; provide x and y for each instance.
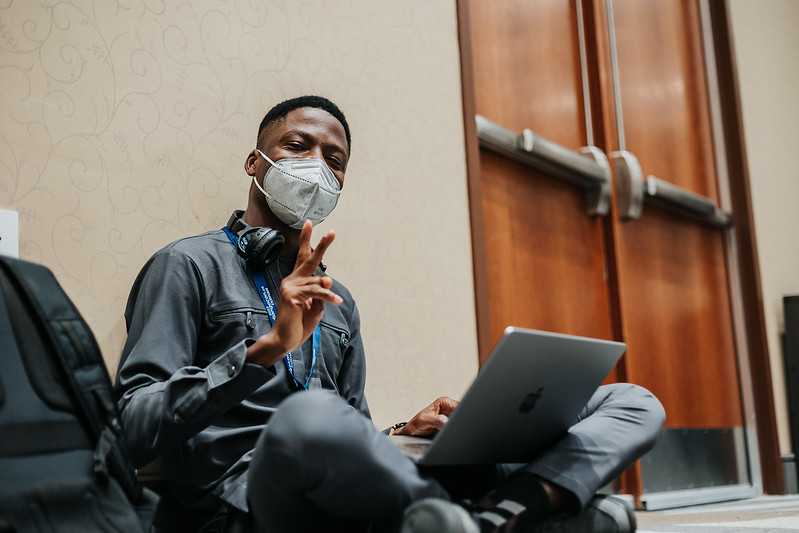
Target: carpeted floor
(765, 514)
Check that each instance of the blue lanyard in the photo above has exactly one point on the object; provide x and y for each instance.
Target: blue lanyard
(269, 304)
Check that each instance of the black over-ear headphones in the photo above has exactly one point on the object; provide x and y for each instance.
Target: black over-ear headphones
(260, 245)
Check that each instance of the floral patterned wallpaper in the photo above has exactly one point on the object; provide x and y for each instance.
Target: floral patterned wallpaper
(124, 125)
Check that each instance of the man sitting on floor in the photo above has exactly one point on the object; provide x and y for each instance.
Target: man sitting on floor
(257, 404)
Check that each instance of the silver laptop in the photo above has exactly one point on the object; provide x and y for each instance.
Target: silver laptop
(525, 397)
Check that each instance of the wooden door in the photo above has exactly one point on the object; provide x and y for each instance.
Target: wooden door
(545, 257)
(629, 78)
(673, 284)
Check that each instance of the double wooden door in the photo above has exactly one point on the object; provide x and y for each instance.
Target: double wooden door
(599, 209)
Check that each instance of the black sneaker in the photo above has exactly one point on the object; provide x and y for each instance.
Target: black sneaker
(603, 514)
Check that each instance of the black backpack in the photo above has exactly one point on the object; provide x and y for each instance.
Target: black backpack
(63, 466)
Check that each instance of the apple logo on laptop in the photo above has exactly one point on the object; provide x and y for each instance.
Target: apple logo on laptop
(530, 400)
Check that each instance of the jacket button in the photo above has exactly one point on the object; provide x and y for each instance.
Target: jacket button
(231, 370)
(345, 341)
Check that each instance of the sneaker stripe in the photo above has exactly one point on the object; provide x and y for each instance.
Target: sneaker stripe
(512, 507)
(493, 518)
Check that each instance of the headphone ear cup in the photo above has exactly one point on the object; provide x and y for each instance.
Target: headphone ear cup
(264, 246)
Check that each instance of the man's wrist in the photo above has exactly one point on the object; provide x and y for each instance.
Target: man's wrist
(264, 351)
(396, 429)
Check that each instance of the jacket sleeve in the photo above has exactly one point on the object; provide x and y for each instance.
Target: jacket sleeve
(165, 398)
(352, 375)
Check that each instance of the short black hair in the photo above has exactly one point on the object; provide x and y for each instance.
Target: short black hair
(319, 102)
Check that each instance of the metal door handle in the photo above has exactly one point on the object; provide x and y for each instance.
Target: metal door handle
(632, 190)
(588, 169)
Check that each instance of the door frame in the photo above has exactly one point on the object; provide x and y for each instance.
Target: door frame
(746, 300)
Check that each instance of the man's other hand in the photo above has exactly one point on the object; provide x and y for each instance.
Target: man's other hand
(430, 420)
(302, 300)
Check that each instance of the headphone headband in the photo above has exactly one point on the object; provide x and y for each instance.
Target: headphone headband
(235, 223)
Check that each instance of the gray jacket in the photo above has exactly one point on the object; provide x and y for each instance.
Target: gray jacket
(184, 388)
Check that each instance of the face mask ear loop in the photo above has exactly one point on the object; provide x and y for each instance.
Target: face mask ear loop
(254, 180)
(265, 157)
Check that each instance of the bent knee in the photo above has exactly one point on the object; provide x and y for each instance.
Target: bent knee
(647, 401)
(638, 404)
(313, 420)
(647, 411)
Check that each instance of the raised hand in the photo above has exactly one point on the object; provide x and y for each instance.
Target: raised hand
(300, 305)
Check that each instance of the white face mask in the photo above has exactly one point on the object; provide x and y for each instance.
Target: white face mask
(297, 190)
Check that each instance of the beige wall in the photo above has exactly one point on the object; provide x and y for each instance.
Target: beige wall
(767, 55)
(123, 126)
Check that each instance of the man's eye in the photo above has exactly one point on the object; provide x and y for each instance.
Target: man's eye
(294, 146)
(334, 163)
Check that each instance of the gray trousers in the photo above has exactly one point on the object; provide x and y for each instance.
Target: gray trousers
(319, 463)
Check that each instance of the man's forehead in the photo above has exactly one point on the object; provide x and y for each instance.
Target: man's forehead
(313, 119)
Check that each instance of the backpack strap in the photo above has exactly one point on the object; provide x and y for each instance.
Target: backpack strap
(76, 350)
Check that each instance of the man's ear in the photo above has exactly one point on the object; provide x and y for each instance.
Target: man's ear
(249, 163)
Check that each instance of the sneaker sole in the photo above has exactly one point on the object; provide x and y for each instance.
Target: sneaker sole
(437, 516)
